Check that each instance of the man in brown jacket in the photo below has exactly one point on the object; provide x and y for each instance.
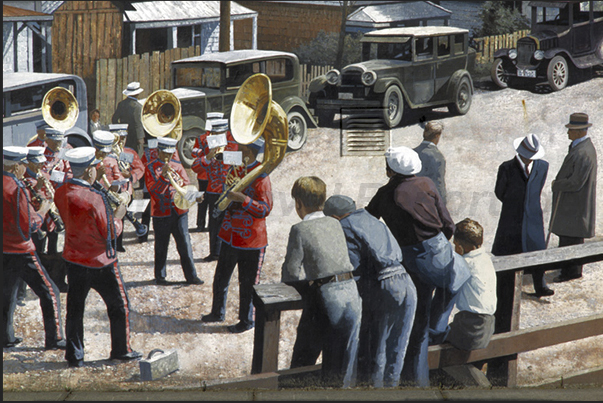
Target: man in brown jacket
(574, 192)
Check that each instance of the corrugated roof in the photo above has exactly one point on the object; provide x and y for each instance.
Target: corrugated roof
(50, 7)
(10, 11)
(149, 11)
(390, 13)
(413, 31)
(235, 56)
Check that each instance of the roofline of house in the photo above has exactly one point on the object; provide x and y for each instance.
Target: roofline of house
(28, 18)
(180, 23)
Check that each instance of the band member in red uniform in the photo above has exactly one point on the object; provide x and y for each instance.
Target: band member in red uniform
(167, 218)
(108, 169)
(19, 257)
(91, 229)
(57, 170)
(210, 161)
(129, 163)
(202, 176)
(244, 241)
(40, 140)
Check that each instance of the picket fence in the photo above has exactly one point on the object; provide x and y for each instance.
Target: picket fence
(152, 70)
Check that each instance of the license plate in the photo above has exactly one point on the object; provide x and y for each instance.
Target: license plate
(526, 73)
(346, 95)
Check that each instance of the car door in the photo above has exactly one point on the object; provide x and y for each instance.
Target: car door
(423, 71)
(450, 57)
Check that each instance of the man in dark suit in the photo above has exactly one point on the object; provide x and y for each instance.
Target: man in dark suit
(521, 225)
(432, 159)
(574, 192)
(129, 111)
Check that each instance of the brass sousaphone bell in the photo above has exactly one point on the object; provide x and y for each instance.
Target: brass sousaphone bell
(162, 117)
(255, 114)
(60, 110)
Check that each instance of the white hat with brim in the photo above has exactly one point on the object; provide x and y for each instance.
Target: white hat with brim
(215, 115)
(119, 128)
(54, 134)
(14, 154)
(529, 147)
(219, 125)
(82, 157)
(167, 145)
(103, 140)
(403, 160)
(133, 89)
(36, 154)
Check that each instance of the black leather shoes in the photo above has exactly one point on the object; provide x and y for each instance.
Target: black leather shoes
(209, 258)
(212, 317)
(563, 279)
(196, 280)
(75, 364)
(134, 355)
(13, 343)
(161, 281)
(544, 292)
(59, 345)
(240, 327)
(120, 249)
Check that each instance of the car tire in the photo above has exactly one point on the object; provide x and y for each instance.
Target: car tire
(393, 106)
(497, 74)
(186, 144)
(462, 98)
(298, 131)
(557, 73)
(325, 118)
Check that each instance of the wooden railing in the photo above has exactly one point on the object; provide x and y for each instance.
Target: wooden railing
(271, 299)
(488, 45)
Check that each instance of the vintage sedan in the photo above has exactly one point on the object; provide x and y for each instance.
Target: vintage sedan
(209, 83)
(414, 67)
(566, 37)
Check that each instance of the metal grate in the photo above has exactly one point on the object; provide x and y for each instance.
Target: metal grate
(364, 142)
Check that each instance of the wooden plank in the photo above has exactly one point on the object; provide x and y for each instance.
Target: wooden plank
(519, 341)
(267, 332)
(155, 71)
(143, 75)
(119, 85)
(132, 67)
(102, 88)
(591, 376)
(111, 73)
(67, 51)
(551, 258)
(277, 296)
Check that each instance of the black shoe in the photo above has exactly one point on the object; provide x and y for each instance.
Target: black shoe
(209, 258)
(13, 343)
(198, 229)
(196, 280)
(544, 292)
(120, 249)
(59, 345)
(206, 229)
(240, 327)
(75, 364)
(143, 239)
(161, 281)
(561, 278)
(20, 303)
(134, 355)
(212, 317)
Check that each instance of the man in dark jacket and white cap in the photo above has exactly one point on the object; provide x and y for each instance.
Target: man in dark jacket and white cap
(389, 297)
(574, 192)
(414, 211)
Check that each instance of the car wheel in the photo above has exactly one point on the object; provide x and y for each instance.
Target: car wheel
(325, 118)
(462, 98)
(557, 73)
(497, 73)
(185, 146)
(298, 131)
(393, 106)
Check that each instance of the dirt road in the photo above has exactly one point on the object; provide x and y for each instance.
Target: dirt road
(168, 317)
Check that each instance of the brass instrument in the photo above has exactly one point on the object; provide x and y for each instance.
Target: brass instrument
(38, 197)
(54, 211)
(117, 149)
(141, 229)
(255, 114)
(162, 117)
(60, 109)
(123, 197)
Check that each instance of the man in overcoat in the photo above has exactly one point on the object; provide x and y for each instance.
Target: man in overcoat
(574, 192)
(521, 225)
(129, 111)
(432, 160)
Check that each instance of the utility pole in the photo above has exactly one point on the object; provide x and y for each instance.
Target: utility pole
(224, 26)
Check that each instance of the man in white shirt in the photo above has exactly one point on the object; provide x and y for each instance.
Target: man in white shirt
(473, 325)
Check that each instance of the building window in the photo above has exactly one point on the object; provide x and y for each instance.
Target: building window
(185, 36)
(151, 39)
(443, 46)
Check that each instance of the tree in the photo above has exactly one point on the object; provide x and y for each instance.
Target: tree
(322, 49)
(498, 19)
(340, 44)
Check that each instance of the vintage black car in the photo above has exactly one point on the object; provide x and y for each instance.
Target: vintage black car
(412, 67)
(566, 36)
(210, 82)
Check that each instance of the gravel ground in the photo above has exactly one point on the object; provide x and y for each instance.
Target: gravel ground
(168, 317)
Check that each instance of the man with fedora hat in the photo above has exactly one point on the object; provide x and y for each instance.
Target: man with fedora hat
(574, 192)
(91, 229)
(129, 111)
(414, 211)
(521, 225)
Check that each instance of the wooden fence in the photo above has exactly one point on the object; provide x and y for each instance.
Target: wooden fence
(488, 45)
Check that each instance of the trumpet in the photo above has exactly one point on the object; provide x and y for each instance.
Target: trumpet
(117, 150)
(177, 182)
(123, 197)
(54, 211)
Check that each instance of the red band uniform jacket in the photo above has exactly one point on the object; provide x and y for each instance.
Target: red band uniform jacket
(136, 169)
(244, 224)
(87, 225)
(215, 169)
(54, 162)
(160, 188)
(19, 218)
(30, 178)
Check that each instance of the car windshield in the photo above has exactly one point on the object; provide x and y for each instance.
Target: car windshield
(197, 76)
(30, 98)
(399, 50)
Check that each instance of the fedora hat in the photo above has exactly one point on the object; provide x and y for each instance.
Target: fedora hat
(529, 147)
(578, 121)
(133, 89)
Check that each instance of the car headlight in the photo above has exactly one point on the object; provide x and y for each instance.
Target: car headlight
(369, 78)
(539, 55)
(333, 77)
(513, 54)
